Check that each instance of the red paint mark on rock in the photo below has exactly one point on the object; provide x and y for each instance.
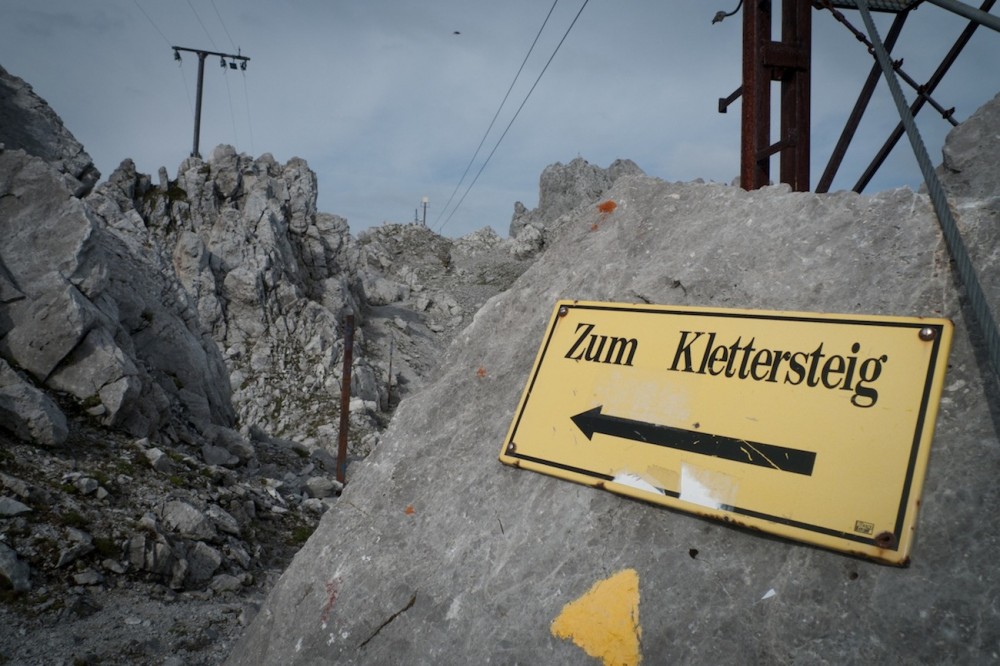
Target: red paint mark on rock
(607, 206)
(332, 589)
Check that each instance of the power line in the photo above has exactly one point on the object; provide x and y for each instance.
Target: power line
(224, 28)
(232, 112)
(187, 91)
(516, 113)
(151, 22)
(246, 97)
(180, 71)
(207, 34)
(495, 115)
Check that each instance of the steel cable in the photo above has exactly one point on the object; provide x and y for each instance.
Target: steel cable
(952, 236)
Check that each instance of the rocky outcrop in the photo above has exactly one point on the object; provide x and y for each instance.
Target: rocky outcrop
(974, 192)
(963, 148)
(263, 275)
(97, 529)
(28, 123)
(87, 315)
(27, 411)
(561, 189)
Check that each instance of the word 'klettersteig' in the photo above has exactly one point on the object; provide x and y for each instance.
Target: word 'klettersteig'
(698, 353)
(813, 368)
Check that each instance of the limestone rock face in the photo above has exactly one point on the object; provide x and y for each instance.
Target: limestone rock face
(89, 316)
(28, 123)
(456, 557)
(963, 150)
(27, 411)
(563, 187)
(264, 279)
(970, 175)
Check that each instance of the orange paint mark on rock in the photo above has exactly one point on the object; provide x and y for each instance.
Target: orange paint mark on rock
(607, 206)
(409, 510)
(481, 372)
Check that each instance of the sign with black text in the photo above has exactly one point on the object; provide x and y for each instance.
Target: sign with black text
(814, 427)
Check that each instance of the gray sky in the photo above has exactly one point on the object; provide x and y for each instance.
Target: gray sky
(387, 104)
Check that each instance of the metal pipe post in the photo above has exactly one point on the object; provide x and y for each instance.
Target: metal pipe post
(197, 104)
(345, 400)
(796, 37)
(755, 122)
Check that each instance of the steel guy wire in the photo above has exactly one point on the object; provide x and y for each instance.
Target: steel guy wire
(952, 236)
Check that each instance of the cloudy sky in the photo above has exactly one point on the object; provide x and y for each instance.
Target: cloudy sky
(388, 99)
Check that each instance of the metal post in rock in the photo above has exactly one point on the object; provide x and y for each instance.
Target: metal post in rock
(345, 399)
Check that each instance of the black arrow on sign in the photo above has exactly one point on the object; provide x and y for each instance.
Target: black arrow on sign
(730, 448)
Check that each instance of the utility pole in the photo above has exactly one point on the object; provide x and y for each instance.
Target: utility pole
(424, 202)
(201, 78)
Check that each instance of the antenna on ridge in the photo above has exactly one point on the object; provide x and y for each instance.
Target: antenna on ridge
(201, 78)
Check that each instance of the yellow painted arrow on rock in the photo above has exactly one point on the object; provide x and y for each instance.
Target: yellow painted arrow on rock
(605, 620)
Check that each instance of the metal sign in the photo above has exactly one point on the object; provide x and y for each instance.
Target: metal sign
(814, 427)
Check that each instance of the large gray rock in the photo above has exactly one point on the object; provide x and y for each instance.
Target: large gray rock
(94, 316)
(964, 149)
(28, 412)
(970, 173)
(438, 552)
(28, 123)
(15, 574)
(187, 521)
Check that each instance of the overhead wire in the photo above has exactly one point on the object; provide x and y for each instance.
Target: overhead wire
(516, 114)
(497, 114)
(207, 34)
(232, 111)
(246, 93)
(180, 71)
(187, 92)
(151, 22)
(246, 98)
(224, 28)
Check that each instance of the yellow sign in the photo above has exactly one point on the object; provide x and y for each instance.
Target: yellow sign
(814, 427)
